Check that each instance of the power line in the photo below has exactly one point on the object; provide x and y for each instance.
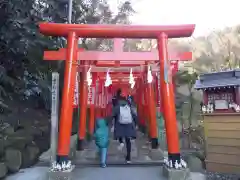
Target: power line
(70, 7)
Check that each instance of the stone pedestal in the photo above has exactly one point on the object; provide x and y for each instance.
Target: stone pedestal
(176, 174)
(60, 175)
(156, 154)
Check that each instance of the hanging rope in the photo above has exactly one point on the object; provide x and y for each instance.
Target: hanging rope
(149, 75)
(89, 77)
(131, 79)
(108, 81)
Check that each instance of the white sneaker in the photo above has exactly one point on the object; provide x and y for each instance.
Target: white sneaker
(128, 162)
(120, 147)
(112, 129)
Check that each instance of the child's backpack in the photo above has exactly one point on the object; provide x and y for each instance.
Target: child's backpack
(125, 116)
(101, 134)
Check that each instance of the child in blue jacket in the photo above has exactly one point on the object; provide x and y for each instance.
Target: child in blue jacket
(102, 139)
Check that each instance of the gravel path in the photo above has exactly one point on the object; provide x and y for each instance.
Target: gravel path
(220, 176)
(109, 173)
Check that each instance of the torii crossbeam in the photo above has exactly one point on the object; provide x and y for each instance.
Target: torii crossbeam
(118, 58)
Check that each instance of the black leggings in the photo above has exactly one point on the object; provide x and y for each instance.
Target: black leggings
(128, 147)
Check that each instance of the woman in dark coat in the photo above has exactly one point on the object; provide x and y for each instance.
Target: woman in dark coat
(124, 131)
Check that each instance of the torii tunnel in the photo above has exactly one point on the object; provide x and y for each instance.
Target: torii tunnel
(147, 95)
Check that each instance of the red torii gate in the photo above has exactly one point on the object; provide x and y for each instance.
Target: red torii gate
(118, 58)
(161, 33)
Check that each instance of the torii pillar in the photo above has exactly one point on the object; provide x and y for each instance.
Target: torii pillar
(161, 33)
(65, 126)
(91, 123)
(167, 95)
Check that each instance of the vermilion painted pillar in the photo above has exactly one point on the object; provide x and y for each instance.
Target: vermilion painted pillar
(83, 108)
(92, 105)
(139, 100)
(102, 98)
(142, 104)
(105, 102)
(167, 97)
(98, 113)
(65, 126)
(152, 116)
(153, 132)
(109, 98)
(158, 92)
(146, 104)
(100, 85)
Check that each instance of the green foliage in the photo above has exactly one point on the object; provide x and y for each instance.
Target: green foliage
(184, 77)
(22, 70)
(189, 79)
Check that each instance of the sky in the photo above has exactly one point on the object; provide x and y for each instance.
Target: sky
(208, 15)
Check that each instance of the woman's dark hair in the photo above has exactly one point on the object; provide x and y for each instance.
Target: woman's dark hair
(114, 101)
(119, 92)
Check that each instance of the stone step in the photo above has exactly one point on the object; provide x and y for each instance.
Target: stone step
(141, 151)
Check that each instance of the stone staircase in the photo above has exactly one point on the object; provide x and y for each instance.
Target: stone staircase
(141, 152)
(143, 159)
